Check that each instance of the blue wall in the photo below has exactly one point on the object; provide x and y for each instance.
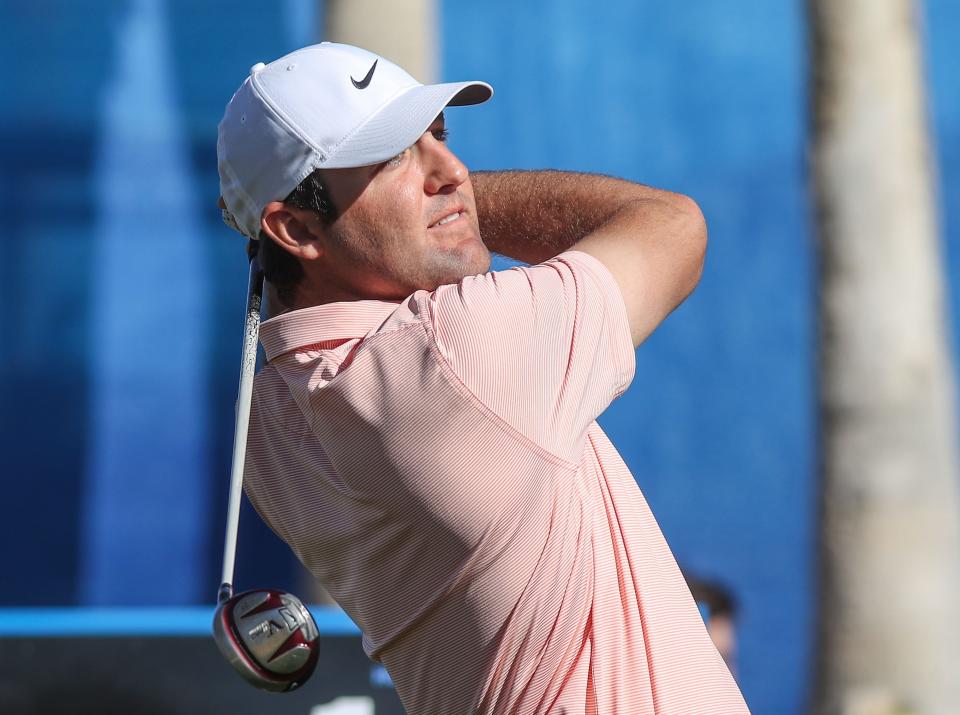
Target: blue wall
(123, 291)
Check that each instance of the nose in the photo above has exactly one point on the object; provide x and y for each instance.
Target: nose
(444, 172)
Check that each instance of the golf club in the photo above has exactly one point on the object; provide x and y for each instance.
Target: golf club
(268, 636)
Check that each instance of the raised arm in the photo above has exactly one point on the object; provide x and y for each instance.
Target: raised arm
(652, 241)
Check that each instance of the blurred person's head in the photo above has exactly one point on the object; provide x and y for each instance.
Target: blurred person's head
(334, 161)
(721, 614)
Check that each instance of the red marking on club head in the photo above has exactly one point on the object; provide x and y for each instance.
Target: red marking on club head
(294, 640)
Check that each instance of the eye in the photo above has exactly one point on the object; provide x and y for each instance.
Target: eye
(440, 134)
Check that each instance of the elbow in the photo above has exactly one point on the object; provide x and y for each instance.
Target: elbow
(693, 237)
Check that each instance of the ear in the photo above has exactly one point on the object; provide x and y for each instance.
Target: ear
(292, 229)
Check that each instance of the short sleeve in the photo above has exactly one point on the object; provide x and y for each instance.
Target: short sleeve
(546, 348)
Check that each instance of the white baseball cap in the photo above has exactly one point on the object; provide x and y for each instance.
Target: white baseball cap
(327, 106)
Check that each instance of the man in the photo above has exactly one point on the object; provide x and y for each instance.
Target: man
(423, 435)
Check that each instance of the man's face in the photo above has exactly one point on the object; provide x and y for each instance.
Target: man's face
(407, 224)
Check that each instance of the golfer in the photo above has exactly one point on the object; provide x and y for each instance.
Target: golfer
(424, 434)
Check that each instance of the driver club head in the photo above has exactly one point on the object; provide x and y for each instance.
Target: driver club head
(269, 637)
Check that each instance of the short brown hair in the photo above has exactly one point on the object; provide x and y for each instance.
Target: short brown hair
(282, 269)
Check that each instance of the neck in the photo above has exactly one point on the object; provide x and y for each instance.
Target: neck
(307, 295)
(272, 306)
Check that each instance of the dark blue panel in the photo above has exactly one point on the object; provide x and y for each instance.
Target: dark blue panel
(47, 150)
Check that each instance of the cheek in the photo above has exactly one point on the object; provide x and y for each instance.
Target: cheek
(395, 210)
(387, 229)
(388, 236)
(408, 206)
(466, 193)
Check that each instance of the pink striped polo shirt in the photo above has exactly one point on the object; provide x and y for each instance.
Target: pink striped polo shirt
(436, 464)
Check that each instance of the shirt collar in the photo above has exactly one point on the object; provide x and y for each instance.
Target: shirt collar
(331, 321)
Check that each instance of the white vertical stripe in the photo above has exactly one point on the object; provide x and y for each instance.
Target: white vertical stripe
(301, 22)
(403, 32)
(146, 497)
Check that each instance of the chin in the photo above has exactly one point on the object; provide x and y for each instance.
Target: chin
(450, 266)
(469, 259)
(479, 258)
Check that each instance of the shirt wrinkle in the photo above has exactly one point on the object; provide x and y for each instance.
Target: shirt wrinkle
(441, 470)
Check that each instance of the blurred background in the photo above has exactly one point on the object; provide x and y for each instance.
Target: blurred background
(124, 296)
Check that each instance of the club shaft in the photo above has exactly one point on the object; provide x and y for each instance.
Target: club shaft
(248, 364)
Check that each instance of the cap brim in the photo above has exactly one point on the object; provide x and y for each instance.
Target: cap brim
(402, 121)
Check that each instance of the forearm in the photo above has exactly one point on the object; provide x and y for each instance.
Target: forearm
(532, 216)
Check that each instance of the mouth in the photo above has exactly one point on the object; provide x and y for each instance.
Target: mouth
(449, 218)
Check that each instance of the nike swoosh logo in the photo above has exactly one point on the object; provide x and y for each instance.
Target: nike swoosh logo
(362, 84)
